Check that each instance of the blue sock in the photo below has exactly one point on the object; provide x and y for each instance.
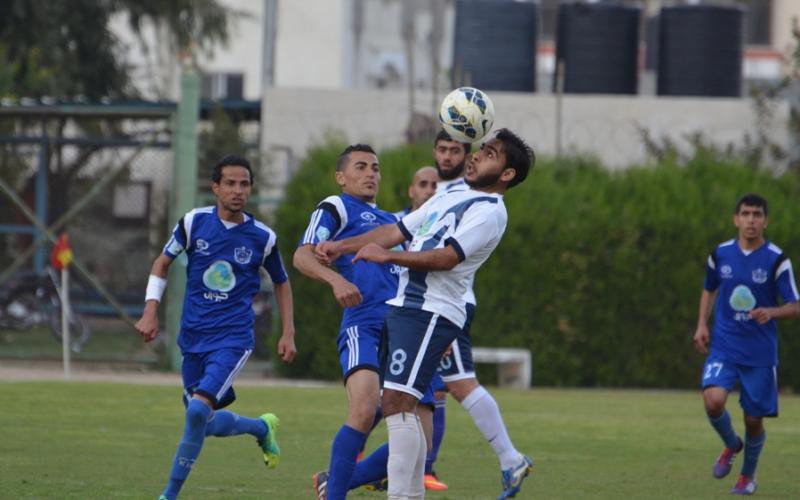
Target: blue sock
(371, 469)
(225, 423)
(438, 435)
(346, 445)
(724, 428)
(752, 450)
(189, 448)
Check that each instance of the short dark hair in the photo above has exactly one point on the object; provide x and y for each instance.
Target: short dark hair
(519, 155)
(444, 136)
(342, 160)
(751, 200)
(230, 161)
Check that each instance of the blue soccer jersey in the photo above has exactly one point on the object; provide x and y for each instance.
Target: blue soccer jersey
(342, 216)
(746, 281)
(222, 277)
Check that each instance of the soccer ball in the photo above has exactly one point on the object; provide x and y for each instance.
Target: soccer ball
(467, 114)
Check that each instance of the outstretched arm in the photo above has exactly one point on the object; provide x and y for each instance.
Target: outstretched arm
(386, 236)
(764, 314)
(346, 293)
(283, 296)
(440, 259)
(147, 326)
(701, 334)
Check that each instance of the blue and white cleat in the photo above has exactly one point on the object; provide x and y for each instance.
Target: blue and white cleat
(745, 486)
(725, 461)
(320, 481)
(513, 477)
(269, 445)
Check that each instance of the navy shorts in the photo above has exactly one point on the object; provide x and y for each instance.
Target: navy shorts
(417, 340)
(759, 384)
(211, 374)
(358, 348)
(458, 365)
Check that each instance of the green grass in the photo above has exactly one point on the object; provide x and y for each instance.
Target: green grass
(102, 440)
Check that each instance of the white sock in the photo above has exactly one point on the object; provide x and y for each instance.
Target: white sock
(418, 480)
(403, 452)
(484, 411)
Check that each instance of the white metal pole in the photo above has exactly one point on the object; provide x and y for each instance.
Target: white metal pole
(65, 320)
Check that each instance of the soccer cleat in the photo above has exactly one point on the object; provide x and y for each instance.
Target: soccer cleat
(321, 485)
(513, 477)
(744, 486)
(379, 485)
(725, 461)
(432, 483)
(162, 497)
(269, 445)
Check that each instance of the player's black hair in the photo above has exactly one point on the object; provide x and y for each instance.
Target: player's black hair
(341, 162)
(444, 136)
(751, 200)
(519, 155)
(230, 161)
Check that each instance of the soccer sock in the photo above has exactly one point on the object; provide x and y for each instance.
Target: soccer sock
(189, 448)
(418, 479)
(484, 411)
(724, 428)
(752, 450)
(404, 445)
(345, 448)
(438, 434)
(371, 469)
(226, 423)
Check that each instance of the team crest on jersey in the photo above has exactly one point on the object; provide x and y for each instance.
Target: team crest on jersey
(369, 219)
(726, 271)
(759, 276)
(323, 233)
(201, 246)
(242, 255)
(426, 226)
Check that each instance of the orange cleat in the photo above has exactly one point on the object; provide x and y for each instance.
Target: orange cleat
(432, 483)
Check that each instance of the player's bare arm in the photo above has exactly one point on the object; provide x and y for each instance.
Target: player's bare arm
(786, 311)
(147, 326)
(386, 236)
(286, 346)
(440, 259)
(701, 334)
(346, 293)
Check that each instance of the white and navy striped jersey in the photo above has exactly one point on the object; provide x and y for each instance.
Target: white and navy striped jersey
(458, 184)
(222, 277)
(473, 223)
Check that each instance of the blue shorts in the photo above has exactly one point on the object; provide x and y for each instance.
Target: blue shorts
(759, 384)
(417, 340)
(458, 365)
(358, 348)
(211, 374)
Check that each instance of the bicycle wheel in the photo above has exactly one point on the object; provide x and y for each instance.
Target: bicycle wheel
(79, 332)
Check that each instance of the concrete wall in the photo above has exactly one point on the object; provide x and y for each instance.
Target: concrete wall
(606, 126)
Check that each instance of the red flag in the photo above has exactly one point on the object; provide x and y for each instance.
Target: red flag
(61, 256)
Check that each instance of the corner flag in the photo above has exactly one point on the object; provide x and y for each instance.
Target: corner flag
(61, 257)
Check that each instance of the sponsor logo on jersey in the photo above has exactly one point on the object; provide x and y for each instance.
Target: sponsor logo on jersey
(742, 301)
(201, 246)
(242, 255)
(426, 226)
(369, 219)
(760, 276)
(726, 271)
(220, 279)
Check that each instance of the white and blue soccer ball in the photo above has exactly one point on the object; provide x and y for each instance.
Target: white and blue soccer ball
(467, 114)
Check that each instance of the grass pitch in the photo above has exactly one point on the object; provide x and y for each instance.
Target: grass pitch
(106, 440)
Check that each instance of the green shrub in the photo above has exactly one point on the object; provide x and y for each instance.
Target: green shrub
(599, 273)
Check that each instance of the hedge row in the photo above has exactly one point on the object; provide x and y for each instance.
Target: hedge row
(599, 273)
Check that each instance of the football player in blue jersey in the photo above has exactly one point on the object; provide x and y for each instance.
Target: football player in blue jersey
(746, 277)
(226, 249)
(362, 289)
(451, 236)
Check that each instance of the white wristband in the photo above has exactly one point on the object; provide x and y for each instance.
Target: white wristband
(155, 288)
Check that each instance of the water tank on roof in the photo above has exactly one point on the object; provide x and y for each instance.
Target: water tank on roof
(494, 46)
(700, 49)
(598, 44)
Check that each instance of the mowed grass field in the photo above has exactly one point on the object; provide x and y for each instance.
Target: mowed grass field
(110, 440)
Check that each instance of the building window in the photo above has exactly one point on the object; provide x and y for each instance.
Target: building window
(222, 86)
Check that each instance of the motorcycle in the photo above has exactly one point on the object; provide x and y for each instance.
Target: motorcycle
(28, 299)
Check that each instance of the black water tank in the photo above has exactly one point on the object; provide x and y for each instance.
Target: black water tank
(700, 49)
(494, 46)
(599, 45)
